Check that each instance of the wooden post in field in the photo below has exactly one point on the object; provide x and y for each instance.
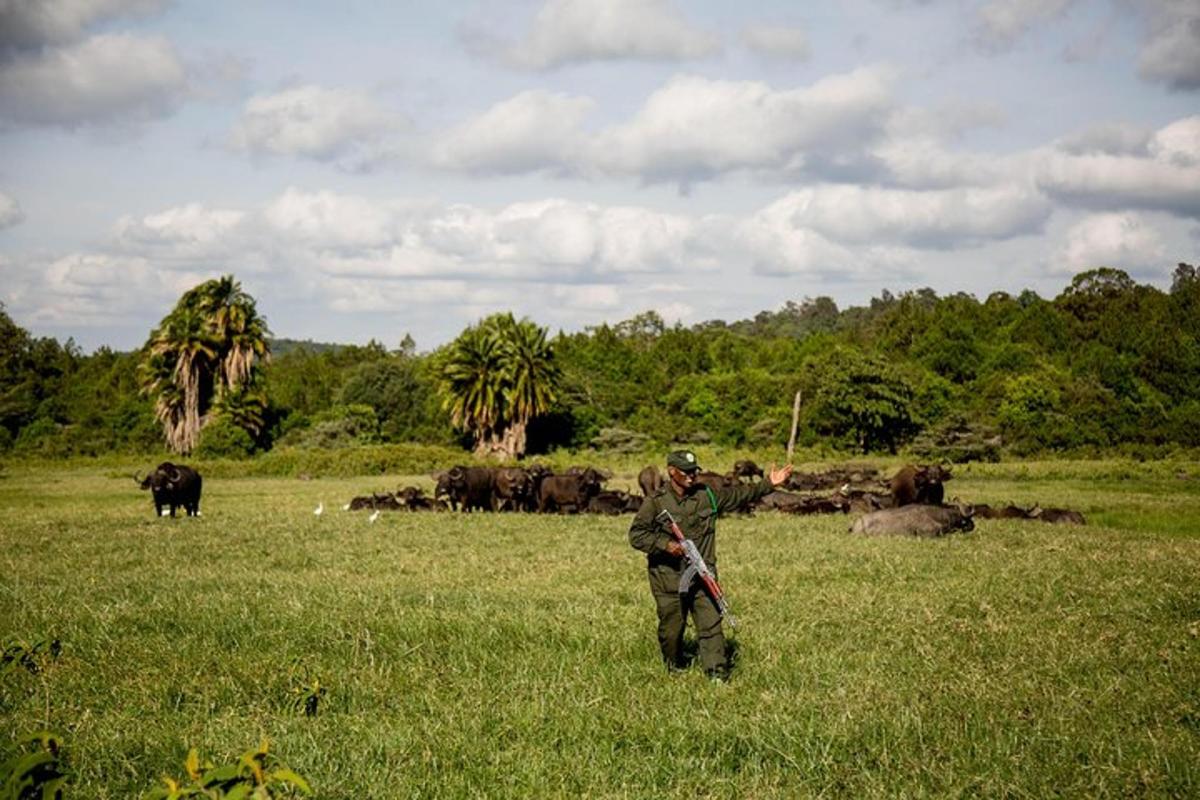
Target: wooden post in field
(795, 423)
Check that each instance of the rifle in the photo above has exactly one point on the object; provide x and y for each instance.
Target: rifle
(696, 568)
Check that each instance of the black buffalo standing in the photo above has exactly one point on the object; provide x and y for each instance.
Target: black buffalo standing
(922, 485)
(173, 485)
(472, 487)
(513, 489)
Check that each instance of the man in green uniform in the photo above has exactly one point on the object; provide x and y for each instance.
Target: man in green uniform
(696, 508)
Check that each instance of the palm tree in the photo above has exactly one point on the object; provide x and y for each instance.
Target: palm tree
(496, 377)
(207, 347)
(532, 378)
(241, 334)
(472, 383)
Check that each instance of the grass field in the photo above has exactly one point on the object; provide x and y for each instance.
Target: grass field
(514, 656)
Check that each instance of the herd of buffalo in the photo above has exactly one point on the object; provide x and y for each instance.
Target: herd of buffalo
(910, 502)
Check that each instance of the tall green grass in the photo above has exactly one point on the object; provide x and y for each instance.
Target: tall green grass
(514, 656)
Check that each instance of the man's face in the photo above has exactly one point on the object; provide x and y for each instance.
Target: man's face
(683, 479)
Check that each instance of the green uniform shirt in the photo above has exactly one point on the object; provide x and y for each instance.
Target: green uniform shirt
(695, 515)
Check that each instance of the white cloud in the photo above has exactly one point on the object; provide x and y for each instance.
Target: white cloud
(553, 238)
(926, 163)
(564, 261)
(30, 24)
(1114, 138)
(776, 246)
(569, 31)
(777, 41)
(531, 131)
(842, 232)
(845, 229)
(1171, 52)
(327, 220)
(186, 226)
(315, 122)
(1178, 143)
(353, 295)
(1123, 241)
(586, 297)
(95, 289)
(672, 313)
(107, 78)
(1000, 23)
(10, 212)
(914, 152)
(694, 128)
(691, 129)
(1167, 178)
(348, 235)
(930, 219)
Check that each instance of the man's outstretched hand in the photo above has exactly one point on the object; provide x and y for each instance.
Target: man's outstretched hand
(778, 476)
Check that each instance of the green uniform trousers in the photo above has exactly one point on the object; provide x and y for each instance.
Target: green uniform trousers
(673, 610)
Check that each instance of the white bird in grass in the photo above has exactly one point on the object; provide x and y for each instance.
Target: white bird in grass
(320, 508)
(374, 516)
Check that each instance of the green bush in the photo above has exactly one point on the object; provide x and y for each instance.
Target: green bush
(379, 459)
(341, 426)
(40, 436)
(221, 438)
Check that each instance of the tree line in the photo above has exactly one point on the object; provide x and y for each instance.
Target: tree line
(1107, 364)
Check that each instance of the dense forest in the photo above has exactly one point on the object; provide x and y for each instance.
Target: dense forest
(1109, 364)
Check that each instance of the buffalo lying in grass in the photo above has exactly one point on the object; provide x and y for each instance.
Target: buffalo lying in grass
(914, 520)
(789, 503)
(569, 493)
(746, 469)
(376, 501)
(1055, 516)
(860, 477)
(614, 503)
(409, 498)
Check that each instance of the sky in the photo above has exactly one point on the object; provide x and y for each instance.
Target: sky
(368, 170)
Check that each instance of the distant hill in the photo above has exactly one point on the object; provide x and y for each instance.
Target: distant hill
(281, 347)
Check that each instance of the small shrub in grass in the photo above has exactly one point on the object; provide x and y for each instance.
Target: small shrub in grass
(32, 656)
(37, 772)
(256, 774)
(307, 696)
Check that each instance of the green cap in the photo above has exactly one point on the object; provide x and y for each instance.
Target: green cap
(683, 459)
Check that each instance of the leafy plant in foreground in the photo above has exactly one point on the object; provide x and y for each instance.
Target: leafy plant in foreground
(37, 775)
(33, 656)
(256, 775)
